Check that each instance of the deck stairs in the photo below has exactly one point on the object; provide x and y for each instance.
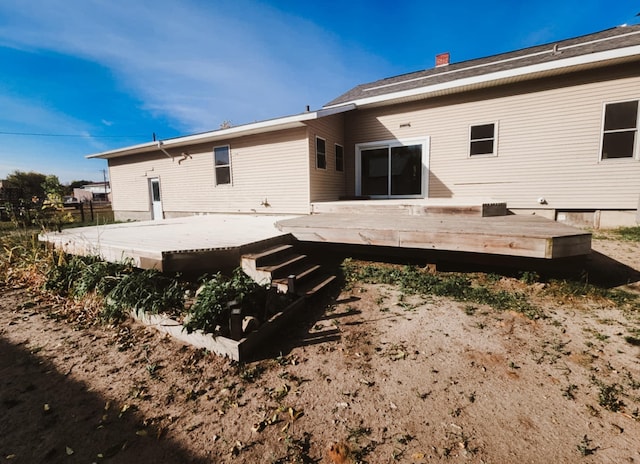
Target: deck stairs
(287, 270)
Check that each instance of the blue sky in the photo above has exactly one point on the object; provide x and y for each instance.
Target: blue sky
(95, 75)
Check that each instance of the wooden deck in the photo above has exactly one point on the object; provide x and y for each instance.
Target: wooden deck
(520, 236)
(216, 242)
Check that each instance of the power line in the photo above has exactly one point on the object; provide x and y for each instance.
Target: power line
(34, 134)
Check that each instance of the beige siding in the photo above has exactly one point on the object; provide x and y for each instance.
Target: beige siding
(326, 184)
(269, 175)
(548, 143)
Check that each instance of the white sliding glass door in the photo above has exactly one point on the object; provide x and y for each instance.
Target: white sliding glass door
(392, 169)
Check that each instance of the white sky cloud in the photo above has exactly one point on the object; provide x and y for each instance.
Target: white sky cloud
(196, 65)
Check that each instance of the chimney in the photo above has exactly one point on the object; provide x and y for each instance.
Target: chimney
(442, 59)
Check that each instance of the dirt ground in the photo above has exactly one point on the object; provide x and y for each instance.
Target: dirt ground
(376, 377)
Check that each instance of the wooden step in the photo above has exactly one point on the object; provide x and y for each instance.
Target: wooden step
(297, 278)
(289, 272)
(267, 257)
(314, 286)
(306, 288)
(284, 268)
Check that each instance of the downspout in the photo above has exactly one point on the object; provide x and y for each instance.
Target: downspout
(163, 150)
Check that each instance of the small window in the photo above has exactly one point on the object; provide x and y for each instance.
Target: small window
(222, 161)
(339, 158)
(620, 130)
(482, 140)
(321, 154)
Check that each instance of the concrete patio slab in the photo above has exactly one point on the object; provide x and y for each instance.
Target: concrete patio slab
(194, 243)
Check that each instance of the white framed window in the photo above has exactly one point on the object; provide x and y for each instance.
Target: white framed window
(321, 153)
(483, 139)
(339, 158)
(222, 163)
(620, 130)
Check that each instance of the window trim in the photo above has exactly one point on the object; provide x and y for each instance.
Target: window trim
(336, 156)
(215, 166)
(494, 153)
(324, 154)
(635, 156)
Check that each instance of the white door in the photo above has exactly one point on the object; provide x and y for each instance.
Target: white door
(156, 202)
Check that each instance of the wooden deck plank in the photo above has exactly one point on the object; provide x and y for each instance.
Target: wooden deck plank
(526, 236)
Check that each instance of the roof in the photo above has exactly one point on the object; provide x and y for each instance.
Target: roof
(286, 122)
(611, 46)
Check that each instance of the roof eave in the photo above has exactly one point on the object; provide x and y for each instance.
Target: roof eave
(271, 125)
(594, 60)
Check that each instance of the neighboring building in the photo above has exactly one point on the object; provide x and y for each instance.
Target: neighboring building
(550, 130)
(97, 191)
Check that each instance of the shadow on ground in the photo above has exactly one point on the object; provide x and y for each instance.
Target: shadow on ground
(299, 331)
(608, 272)
(39, 402)
(597, 268)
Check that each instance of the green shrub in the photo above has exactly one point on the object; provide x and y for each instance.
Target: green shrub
(99, 276)
(210, 312)
(122, 286)
(137, 290)
(63, 272)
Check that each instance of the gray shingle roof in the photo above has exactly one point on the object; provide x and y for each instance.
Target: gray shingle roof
(610, 39)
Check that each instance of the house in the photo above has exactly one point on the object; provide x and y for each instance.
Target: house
(96, 191)
(551, 130)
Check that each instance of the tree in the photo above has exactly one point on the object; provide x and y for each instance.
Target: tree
(30, 184)
(52, 187)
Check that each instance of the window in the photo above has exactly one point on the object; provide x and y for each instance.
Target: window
(339, 158)
(620, 130)
(482, 140)
(321, 154)
(222, 162)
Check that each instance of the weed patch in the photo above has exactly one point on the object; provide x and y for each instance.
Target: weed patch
(122, 286)
(631, 234)
(413, 280)
(585, 448)
(609, 397)
(573, 289)
(146, 290)
(635, 341)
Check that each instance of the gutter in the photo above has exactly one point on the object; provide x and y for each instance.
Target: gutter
(160, 143)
